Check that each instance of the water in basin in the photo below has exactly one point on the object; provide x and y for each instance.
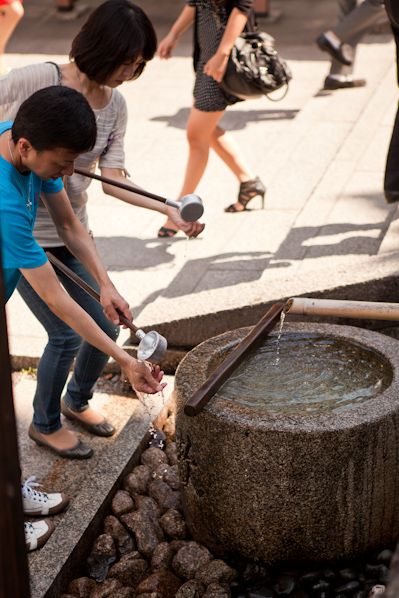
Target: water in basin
(314, 374)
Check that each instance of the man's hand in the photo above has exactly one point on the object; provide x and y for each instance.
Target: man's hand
(145, 379)
(191, 229)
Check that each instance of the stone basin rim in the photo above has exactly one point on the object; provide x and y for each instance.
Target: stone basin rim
(371, 411)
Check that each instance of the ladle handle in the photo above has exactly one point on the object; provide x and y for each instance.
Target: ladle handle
(199, 399)
(108, 181)
(86, 287)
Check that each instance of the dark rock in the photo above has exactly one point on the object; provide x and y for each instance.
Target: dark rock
(157, 439)
(152, 457)
(130, 570)
(237, 588)
(173, 524)
(164, 583)
(162, 557)
(147, 533)
(360, 594)
(123, 593)
(171, 453)
(329, 574)
(81, 587)
(122, 503)
(264, 592)
(160, 472)
(146, 504)
(311, 577)
(379, 572)
(106, 588)
(215, 590)
(323, 595)
(159, 491)
(170, 428)
(175, 545)
(369, 584)
(191, 589)
(347, 574)
(385, 556)
(137, 481)
(172, 477)
(216, 571)
(351, 586)
(284, 585)
(173, 501)
(125, 545)
(321, 586)
(341, 596)
(189, 559)
(255, 574)
(98, 566)
(300, 594)
(113, 526)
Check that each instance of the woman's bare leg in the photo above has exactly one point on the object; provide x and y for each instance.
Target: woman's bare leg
(10, 15)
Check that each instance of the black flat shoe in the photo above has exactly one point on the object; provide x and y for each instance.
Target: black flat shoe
(331, 83)
(104, 428)
(79, 451)
(343, 53)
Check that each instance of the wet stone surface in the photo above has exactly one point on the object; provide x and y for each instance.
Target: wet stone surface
(145, 551)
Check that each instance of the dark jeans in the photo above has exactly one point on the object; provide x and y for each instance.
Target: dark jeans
(391, 182)
(64, 344)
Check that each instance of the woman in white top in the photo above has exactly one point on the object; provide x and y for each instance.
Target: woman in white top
(113, 46)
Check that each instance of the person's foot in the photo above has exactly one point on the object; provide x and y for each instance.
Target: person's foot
(93, 421)
(328, 42)
(331, 82)
(40, 503)
(37, 534)
(167, 230)
(61, 442)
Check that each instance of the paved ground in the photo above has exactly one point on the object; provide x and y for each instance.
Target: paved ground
(326, 227)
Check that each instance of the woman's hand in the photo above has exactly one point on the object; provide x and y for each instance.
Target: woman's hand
(144, 379)
(191, 229)
(216, 66)
(166, 46)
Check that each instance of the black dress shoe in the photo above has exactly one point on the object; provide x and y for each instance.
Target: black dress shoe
(104, 428)
(331, 83)
(391, 196)
(344, 53)
(79, 451)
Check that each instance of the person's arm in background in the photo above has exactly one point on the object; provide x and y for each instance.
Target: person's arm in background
(45, 282)
(217, 64)
(182, 23)
(191, 229)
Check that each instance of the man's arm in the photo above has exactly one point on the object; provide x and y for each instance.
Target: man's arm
(77, 239)
(44, 281)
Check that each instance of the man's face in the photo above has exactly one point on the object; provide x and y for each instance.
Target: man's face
(50, 164)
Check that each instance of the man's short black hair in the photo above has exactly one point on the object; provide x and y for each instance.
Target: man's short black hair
(56, 117)
(117, 32)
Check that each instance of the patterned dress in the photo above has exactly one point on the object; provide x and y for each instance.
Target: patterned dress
(210, 29)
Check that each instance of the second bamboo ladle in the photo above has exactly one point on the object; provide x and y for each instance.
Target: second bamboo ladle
(190, 206)
(152, 345)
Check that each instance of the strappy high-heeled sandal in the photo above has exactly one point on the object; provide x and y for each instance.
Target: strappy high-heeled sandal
(248, 190)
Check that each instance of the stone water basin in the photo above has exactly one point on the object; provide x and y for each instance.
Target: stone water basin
(268, 475)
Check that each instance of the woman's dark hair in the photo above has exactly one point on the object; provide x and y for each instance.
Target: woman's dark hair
(56, 117)
(117, 32)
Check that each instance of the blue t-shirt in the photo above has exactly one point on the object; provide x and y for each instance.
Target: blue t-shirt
(18, 246)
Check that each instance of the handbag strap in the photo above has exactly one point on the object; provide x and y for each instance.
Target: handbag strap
(58, 71)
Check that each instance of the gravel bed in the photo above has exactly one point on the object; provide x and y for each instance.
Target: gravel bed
(146, 551)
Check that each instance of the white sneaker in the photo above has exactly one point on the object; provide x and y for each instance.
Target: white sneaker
(40, 503)
(37, 534)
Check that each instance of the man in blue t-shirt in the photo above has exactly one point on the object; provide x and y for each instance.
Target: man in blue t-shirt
(51, 129)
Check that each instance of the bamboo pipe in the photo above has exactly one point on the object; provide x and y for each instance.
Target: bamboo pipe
(301, 306)
(200, 398)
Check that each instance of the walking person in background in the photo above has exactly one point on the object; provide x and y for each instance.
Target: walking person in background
(391, 181)
(11, 12)
(217, 24)
(355, 19)
(113, 46)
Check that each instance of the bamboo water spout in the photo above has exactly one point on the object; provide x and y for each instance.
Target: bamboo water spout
(301, 306)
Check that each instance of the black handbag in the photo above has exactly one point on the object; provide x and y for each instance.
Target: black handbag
(255, 68)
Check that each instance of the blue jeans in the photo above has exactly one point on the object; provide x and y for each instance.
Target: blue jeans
(64, 345)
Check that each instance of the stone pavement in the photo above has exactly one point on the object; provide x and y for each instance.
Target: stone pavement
(326, 229)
